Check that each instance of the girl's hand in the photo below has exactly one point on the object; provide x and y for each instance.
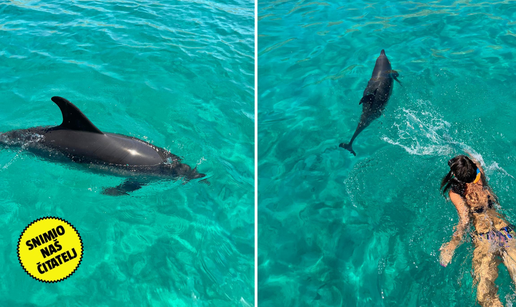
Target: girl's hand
(447, 251)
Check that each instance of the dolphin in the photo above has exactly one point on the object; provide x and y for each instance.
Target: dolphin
(376, 95)
(77, 140)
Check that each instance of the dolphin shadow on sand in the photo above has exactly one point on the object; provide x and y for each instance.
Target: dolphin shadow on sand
(77, 140)
(376, 95)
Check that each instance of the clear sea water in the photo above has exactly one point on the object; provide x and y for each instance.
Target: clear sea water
(338, 230)
(178, 74)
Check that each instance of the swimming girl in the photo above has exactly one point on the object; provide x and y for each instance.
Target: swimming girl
(494, 238)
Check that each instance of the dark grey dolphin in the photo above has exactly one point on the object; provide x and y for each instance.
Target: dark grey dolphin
(376, 95)
(78, 140)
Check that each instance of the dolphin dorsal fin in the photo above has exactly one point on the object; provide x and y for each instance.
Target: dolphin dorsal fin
(73, 118)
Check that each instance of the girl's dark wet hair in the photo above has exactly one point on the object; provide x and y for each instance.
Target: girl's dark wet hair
(462, 170)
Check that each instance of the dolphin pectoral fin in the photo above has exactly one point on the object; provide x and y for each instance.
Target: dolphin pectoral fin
(367, 99)
(396, 78)
(394, 74)
(73, 118)
(348, 147)
(124, 188)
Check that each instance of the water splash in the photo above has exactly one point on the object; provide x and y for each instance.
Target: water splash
(494, 167)
(23, 142)
(11, 161)
(426, 133)
(422, 133)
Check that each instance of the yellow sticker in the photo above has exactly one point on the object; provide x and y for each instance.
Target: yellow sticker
(50, 249)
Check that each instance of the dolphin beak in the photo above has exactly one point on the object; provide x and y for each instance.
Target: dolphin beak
(382, 52)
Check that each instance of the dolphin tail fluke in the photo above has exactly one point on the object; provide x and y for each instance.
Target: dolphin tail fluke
(348, 147)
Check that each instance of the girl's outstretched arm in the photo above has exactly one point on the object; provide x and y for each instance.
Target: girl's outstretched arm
(447, 249)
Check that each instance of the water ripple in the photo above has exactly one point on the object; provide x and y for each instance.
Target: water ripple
(336, 228)
(178, 74)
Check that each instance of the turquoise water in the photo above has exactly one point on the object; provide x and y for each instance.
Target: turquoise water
(338, 230)
(178, 74)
